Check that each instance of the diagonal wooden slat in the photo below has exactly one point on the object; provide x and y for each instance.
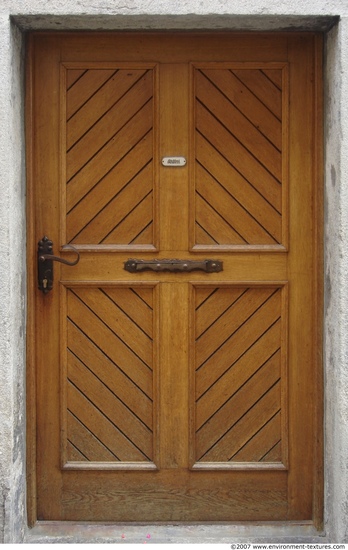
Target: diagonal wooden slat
(99, 333)
(248, 103)
(108, 165)
(236, 398)
(239, 166)
(238, 343)
(261, 443)
(238, 374)
(109, 156)
(107, 127)
(118, 322)
(121, 206)
(239, 188)
(97, 198)
(86, 442)
(245, 225)
(94, 419)
(214, 306)
(238, 125)
(100, 103)
(201, 294)
(275, 75)
(237, 156)
(73, 454)
(214, 224)
(145, 294)
(139, 218)
(263, 88)
(72, 75)
(203, 237)
(274, 454)
(133, 306)
(82, 85)
(229, 322)
(109, 373)
(113, 409)
(145, 236)
(268, 404)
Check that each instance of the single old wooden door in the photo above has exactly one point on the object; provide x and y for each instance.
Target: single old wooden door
(161, 395)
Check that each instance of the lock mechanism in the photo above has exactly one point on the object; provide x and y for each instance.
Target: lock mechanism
(45, 259)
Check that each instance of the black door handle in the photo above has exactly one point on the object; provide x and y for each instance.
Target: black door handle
(45, 259)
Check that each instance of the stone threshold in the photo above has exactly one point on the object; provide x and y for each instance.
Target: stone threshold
(48, 532)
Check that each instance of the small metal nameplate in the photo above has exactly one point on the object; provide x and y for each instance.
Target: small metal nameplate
(173, 161)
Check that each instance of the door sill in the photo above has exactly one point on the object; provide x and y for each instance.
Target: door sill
(189, 533)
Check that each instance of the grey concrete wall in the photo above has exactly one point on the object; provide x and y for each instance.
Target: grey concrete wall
(19, 16)
(336, 279)
(12, 284)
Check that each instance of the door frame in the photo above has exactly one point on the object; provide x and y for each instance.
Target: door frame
(317, 343)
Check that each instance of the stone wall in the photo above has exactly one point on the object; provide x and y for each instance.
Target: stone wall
(20, 16)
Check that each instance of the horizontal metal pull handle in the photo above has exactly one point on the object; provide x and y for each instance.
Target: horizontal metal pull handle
(209, 266)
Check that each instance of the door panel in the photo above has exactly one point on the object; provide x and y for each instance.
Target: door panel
(240, 132)
(109, 160)
(109, 379)
(240, 376)
(175, 396)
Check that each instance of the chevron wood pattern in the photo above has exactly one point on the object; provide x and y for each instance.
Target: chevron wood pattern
(238, 333)
(109, 375)
(238, 156)
(109, 158)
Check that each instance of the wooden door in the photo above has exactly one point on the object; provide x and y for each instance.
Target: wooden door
(175, 396)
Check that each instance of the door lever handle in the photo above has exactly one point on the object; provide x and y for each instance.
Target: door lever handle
(45, 259)
(52, 257)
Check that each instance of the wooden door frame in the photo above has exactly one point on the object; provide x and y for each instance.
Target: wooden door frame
(317, 313)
